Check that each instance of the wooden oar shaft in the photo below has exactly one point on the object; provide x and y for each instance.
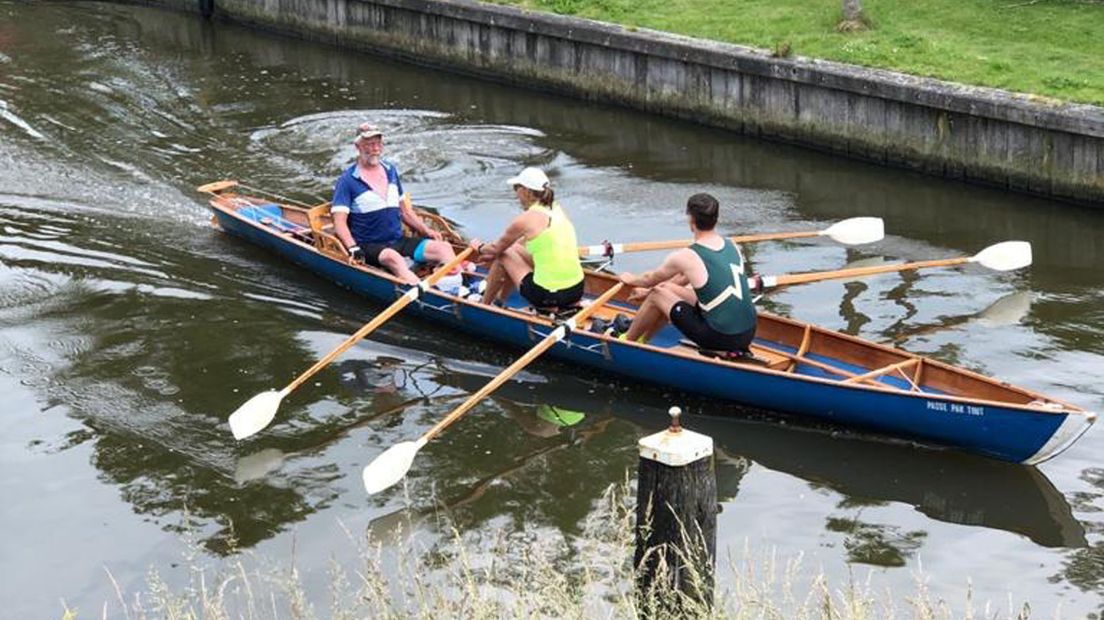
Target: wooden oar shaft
(504, 376)
(774, 236)
(645, 246)
(546, 343)
(217, 186)
(802, 278)
(370, 327)
(380, 319)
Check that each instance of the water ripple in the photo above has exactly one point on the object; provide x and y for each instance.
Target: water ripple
(6, 113)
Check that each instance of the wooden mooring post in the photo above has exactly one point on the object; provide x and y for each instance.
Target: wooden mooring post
(676, 522)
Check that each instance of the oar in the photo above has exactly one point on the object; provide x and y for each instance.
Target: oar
(217, 186)
(851, 231)
(257, 412)
(1004, 256)
(390, 467)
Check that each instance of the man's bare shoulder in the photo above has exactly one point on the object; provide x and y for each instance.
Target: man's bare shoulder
(683, 259)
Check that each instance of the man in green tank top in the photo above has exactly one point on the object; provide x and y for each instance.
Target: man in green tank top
(702, 290)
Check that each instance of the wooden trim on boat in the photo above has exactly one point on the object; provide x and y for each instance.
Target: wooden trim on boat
(806, 338)
(878, 372)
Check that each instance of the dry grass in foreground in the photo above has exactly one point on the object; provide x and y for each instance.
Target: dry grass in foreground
(519, 574)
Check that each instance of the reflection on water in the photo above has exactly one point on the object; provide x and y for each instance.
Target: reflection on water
(1084, 568)
(872, 543)
(129, 330)
(944, 485)
(947, 486)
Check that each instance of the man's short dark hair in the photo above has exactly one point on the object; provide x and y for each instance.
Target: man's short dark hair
(704, 209)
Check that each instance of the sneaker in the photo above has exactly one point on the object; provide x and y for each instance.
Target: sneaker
(450, 283)
(621, 324)
(599, 326)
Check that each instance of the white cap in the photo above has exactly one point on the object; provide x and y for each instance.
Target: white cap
(531, 178)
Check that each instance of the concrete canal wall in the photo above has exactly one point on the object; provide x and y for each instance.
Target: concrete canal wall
(974, 134)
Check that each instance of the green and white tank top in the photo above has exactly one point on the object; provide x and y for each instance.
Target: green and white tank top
(725, 298)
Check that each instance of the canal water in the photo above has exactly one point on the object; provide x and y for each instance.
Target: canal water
(129, 329)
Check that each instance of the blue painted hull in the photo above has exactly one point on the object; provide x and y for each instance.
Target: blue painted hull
(1012, 433)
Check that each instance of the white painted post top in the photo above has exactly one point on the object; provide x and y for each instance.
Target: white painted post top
(676, 446)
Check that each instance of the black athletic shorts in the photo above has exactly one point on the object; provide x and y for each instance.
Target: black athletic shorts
(406, 246)
(541, 297)
(691, 322)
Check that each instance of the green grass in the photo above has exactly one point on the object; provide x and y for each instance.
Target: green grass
(1053, 48)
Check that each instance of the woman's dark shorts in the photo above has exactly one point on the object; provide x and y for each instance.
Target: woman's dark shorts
(407, 246)
(691, 322)
(541, 297)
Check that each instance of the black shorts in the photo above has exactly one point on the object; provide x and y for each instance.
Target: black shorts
(691, 322)
(541, 297)
(406, 246)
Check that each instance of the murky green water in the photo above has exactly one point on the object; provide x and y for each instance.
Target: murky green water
(129, 329)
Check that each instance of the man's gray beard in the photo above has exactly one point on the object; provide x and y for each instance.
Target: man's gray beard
(372, 160)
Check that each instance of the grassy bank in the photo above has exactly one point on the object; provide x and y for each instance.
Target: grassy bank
(1053, 48)
(512, 573)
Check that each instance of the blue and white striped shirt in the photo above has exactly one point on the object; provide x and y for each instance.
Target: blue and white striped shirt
(372, 218)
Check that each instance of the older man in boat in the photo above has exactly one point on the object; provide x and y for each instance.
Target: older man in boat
(369, 208)
(702, 289)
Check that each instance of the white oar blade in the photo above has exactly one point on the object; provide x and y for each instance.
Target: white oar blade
(255, 414)
(390, 467)
(1005, 256)
(857, 230)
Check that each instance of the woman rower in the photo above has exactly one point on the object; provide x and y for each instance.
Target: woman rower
(538, 252)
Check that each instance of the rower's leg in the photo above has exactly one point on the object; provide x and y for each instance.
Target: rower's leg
(439, 252)
(396, 264)
(506, 273)
(496, 279)
(684, 293)
(671, 294)
(654, 312)
(645, 318)
(523, 254)
(514, 262)
(667, 294)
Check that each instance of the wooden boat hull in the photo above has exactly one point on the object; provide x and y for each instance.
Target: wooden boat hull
(1015, 432)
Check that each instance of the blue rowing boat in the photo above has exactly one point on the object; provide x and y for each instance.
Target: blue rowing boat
(797, 368)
